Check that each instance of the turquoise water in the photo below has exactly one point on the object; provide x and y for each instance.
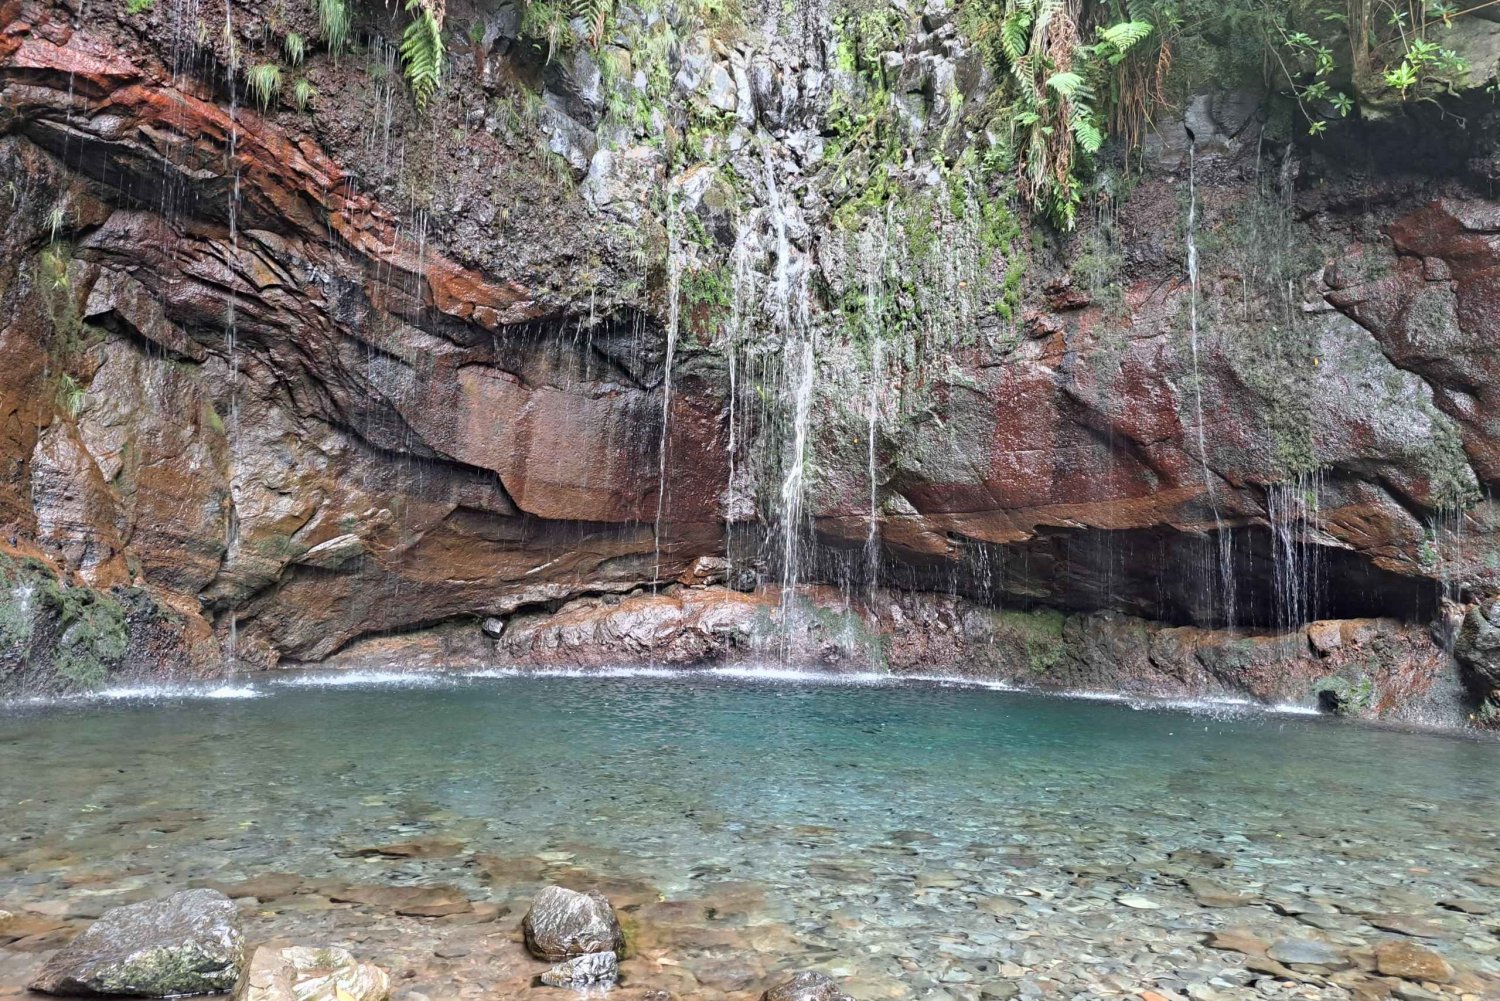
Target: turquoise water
(883, 822)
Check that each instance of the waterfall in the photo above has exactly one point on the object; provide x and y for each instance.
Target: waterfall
(1292, 510)
(674, 288)
(872, 531)
(1225, 543)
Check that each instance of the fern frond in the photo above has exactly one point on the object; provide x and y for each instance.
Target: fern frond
(1125, 34)
(1085, 130)
(1066, 84)
(596, 14)
(422, 52)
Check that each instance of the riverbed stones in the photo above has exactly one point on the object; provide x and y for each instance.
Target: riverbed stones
(564, 924)
(806, 986)
(582, 971)
(1410, 961)
(301, 973)
(1306, 952)
(188, 943)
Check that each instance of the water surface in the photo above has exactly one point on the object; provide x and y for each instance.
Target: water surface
(924, 839)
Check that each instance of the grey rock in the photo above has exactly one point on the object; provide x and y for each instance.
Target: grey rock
(1306, 952)
(1478, 646)
(493, 627)
(188, 943)
(591, 968)
(564, 924)
(806, 986)
(721, 90)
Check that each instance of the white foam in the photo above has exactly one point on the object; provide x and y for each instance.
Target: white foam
(349, 679)
(146, 693)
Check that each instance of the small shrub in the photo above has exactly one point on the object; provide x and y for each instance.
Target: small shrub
(264, 80)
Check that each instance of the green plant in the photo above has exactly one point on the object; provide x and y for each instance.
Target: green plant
(56, 219)
(295, 47)
(302, 93)
(422, 50)
(264, 81)
(333, 21)
(134, 7)
(595, 14)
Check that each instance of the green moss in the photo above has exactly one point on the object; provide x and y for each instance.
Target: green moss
(1039, 632)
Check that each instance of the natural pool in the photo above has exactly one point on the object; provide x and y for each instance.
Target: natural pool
(918, 840)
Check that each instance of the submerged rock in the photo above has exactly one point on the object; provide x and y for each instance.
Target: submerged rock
(301, 973)
(563, 924)
(188, 943)
(590, 968)
(806, 986)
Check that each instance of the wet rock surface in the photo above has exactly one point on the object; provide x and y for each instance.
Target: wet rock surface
(188, 943)
(566, 924)
(582, 971)
(302, 973)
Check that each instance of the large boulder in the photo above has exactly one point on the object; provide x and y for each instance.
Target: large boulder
(806, 986)
(188, 943)
(304, 974)
(563, 924)
(1478, 645)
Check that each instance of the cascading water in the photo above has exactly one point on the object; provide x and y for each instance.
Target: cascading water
(872, 530)
(674, 289)
(1292, 510)
(1224, 567)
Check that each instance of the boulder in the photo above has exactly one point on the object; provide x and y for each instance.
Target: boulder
(806, 986)
(1409, 961)
(188, 943)
(590, 968)
(1478, 646)
(564, 924)
(301, 973)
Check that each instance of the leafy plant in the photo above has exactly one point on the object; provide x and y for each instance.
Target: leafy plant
(333, 21)
(422, 50)
(264, 81)
(134, 7)
(595, 14)
(295, 47)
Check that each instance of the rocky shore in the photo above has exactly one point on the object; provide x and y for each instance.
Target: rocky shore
(1223, 935)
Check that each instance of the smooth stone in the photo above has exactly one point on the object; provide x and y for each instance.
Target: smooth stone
(188, 943)
(301, 973)
(581, 971)
(1138, 902)
(1464, 906)
(806, 986)
(412, 901)
(563, 923)
(416, 848)
(1211, 894)
(1306, 952)
(1404, 924)
(1240, 940)
(1410, 961)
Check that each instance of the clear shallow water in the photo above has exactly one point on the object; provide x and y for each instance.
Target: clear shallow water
(927, 837)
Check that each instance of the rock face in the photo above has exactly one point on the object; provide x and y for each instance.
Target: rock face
(301, 973)
(253, 413)
(806, 986)
(565, 924)
(188, 943)
(1478, 645)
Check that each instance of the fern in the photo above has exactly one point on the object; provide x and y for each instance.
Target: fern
(333, 21)
(422, 51)
(1066, 84)
(1125, 34)
(264, 80)
(295, 48)
(595, 14)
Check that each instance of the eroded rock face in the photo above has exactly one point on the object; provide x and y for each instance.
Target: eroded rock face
(188, 943)
(564, 924)
(1478, 645)
(302, 973)
(325, 428)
